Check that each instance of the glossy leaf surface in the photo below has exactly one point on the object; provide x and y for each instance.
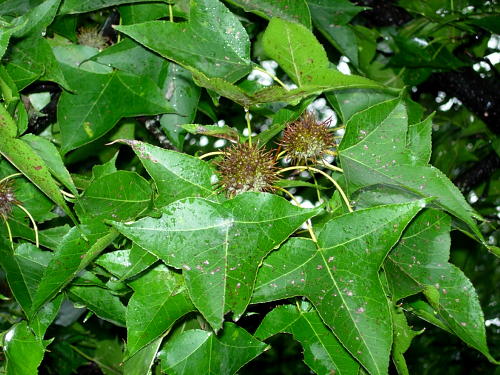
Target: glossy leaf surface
(340, 277)
(419, 263)
(202, 352)
(375, 149)
(220, 247)
(323, 353)
(213, 41)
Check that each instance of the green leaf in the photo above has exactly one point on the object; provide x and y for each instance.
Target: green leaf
(338, 12)
(37, 19)
(45, 316)
(323, 353)
(77, 249)
(160, 298)
(403, 335)
(120, 196)
(24, 268)
(348, 102)
(225, 131)
(101, 100)
(50, 155)
(142, 362)
(176, 175)
(76, 55)
(137, 13)
(375, 150)
(134, 58)
(126, 263)
(24, 158)
(420, 263)
(340, 277)
(183, 95)
(100, 301)
(304, 59)
(6, 31)
(213, 41)
(84, 6)
(32, 59)
(220, 246)
(419, 140)
(23, 350)
(290, 10)
(201, 352)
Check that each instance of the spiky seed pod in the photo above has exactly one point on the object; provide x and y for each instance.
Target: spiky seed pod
(7, 198)
(307, 139)
(247, 167)
(90, 36)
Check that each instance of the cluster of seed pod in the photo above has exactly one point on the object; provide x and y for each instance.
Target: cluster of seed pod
(248, 167)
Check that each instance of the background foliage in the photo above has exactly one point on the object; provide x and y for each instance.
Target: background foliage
(141, 264)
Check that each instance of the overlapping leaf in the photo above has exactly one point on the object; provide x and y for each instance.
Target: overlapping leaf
(213, 41)
(30, 59)
(376, 150)
(100, 100)
(304, 59)
(290, 10)
(183, 95)
(340, 277)
(202, 352)
(76, 250)
(219, 246)
(160, 298)
(120, 196)
(419, 263)
(24, 158)
(23, 350)
(24, 269)
(323, 353)
(176, 175)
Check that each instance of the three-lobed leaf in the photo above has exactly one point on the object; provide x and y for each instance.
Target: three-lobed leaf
(219, 246)
(419, 263)
(202, 352)
(376, 150)
(339, 275)
(100, 101)
(323, 352)
(213, 41)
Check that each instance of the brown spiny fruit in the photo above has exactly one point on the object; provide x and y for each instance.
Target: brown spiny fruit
(306, 138)
(90, 36)
(7, 198)
(247, 167)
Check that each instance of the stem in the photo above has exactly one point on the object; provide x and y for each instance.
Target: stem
(337, 186)
(10, 176)
(281, 154)
(170, 12)
(308, 222)
(89, 358)
(119, 37)
(65, 193)
(275, 79)
(316, 186)
(35, 228)
(8, 230)
(330, 152)
(211, 154)
(332, 167)
(336, 128)
(249, 126)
